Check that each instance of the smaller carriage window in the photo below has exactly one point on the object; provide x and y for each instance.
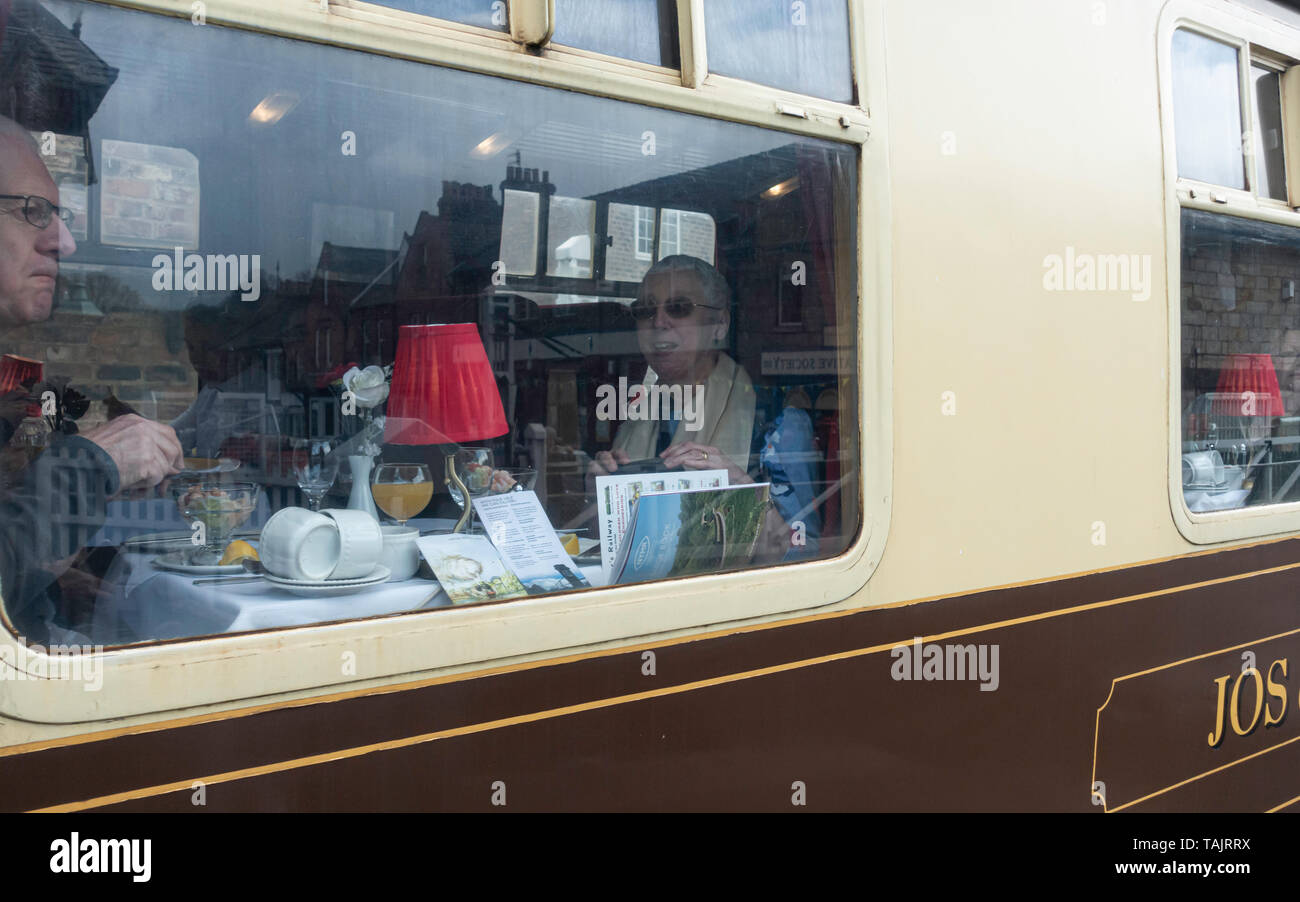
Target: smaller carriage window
(644, 30)
(797, 45)
(1241, 362)
(483, 13)
(1207, 110)
(1266, 85)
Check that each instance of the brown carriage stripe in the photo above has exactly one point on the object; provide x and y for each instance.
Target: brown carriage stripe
(303, 730)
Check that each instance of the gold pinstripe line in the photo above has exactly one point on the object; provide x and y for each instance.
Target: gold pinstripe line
(160, 726)
(1207, 773)
(1276, 808)
(389, 745)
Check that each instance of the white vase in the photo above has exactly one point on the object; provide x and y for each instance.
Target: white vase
(361, 499)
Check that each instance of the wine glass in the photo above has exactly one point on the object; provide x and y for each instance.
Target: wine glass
(474, 467)
(314, 465)
(401, 490)
(221, 508)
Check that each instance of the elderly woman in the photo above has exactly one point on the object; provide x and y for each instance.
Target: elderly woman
(683, 313)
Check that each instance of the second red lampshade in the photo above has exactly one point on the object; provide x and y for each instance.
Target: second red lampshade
(443, 389)
(1250, 377)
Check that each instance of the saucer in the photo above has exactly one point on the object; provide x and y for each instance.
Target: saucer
(324, 588)
(175, 562)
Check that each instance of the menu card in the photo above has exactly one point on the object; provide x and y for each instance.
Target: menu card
(469, 568)
(522, 533)
(616, 495)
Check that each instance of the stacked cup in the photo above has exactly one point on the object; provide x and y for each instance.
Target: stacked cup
(304, 545)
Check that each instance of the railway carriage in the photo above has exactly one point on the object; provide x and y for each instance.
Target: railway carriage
(1027, 272)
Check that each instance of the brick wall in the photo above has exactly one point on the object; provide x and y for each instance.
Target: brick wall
(1232, 303)
(125, 353)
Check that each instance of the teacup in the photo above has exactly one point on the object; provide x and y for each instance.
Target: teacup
(400, 555)
(360, 543)
(300, 544)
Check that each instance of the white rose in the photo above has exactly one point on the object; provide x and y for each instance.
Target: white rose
(368, 386)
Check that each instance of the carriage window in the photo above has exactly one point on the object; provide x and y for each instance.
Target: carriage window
(483, 13)
(802, 47)
(644, 30)
(399, 294)
(1207, 110)
(1270, 160)
(1240, 350)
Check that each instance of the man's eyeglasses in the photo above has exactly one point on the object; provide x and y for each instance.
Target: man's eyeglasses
(39, 212)
(677, 308)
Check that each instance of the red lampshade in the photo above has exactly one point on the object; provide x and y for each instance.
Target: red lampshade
(443, 389)
(1253, 373)
(16, 372)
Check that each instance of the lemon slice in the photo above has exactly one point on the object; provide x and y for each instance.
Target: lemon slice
(570, 543)
(237, 551)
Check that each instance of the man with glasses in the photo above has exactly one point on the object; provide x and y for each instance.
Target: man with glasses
(76, 474)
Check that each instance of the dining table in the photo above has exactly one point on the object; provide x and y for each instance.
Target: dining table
(142, 602)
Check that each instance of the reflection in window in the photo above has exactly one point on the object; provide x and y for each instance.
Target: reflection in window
(483, 13)
(645, 232)
(572, 224)
(1240, 350)
(581, 264)
(1207, 110)
(1270, 161)
(644, 30)
(801, 47)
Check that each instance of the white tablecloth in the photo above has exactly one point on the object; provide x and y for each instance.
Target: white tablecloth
(158, 604)
(151, 604)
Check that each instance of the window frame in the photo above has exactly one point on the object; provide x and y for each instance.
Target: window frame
(304, 661)
(1259, 40)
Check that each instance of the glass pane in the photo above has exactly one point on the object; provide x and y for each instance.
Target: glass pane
(254, 220)
(1207, 110)
(569, 237)
(685, 232)
(519, 218)
(483, 13)
(802, 47)
(631, 235)
(1240, 350)
(644, 30)
(1270, 161)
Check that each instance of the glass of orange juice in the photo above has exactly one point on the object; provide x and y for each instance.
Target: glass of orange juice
(401, 490)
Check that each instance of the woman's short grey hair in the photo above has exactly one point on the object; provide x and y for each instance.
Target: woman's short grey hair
(715, 286)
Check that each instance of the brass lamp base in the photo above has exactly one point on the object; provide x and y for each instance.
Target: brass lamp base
(453, 478)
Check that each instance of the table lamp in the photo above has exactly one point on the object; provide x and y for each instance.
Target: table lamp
(17, 372)
(1252, 379)
(443, 392)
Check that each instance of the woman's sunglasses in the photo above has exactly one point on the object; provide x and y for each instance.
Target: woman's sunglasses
(677, 308)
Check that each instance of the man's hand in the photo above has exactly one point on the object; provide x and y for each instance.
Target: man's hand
(145, 452)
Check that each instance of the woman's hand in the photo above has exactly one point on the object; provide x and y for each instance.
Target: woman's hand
(603, 464)
(606, 462)
(693, 456)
